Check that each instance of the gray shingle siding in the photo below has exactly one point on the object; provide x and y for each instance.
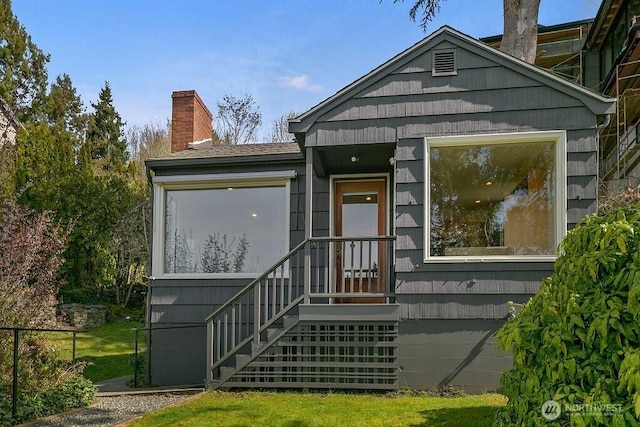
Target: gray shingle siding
(409, 104)
(436, 354)
(321, 208)
(484, 97)
(181, 302)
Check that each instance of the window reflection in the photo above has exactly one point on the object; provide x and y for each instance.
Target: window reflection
(224, 230)
(492, 200)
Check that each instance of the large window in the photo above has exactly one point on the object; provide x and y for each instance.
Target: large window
(222, 228)
(495, 196)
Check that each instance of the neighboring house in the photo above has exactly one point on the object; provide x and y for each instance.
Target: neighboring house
(602, 54)
(559, 49)
(612, 67)
(381, 249)
(8, 124)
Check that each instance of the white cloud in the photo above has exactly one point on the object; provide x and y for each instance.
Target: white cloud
(300, 82)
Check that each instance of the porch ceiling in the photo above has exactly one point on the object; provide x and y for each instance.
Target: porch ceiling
(340, 159)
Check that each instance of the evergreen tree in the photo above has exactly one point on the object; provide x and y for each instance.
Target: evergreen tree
(64, 109)
(45, 162)
(23, 73)
(240, 254)
(211, 257)
(219, 257)
(105, 137)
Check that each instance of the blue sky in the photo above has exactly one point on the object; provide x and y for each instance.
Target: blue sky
(288, 54)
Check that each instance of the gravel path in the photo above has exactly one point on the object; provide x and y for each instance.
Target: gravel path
(111, 410)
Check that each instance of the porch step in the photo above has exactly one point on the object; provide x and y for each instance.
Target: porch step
(349, 312)
(288, 321)
(243, 359)
(272, 332)
(226, 372)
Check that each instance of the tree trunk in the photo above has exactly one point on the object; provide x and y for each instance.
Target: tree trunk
(520, 37)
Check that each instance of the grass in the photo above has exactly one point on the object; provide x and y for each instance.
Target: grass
(328, 409)
(107, 349)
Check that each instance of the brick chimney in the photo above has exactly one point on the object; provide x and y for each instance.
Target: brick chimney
(191, 120)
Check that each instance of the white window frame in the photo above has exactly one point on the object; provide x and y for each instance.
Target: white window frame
(559, 137)
(161, 184)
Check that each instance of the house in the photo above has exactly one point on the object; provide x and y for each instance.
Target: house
(559, 48)
(381, 248)
(8, 124)
(602, 54)
(612, 67)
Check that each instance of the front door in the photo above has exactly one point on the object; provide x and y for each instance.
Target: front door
(360, 212)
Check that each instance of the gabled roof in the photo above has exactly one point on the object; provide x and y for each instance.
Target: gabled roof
(595, 102)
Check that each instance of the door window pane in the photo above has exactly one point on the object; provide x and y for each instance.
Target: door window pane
(360, 219)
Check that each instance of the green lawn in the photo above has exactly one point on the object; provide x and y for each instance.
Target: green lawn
(107, 348)
(327, 409)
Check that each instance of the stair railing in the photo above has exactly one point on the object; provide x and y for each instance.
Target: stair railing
(243, 318)
(307, 273)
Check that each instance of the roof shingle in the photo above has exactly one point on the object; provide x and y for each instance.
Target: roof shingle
(209, 150)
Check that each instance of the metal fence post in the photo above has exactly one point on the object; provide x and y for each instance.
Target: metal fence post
(16, 347)
(14, 396)
(73, 348)
(135, 361)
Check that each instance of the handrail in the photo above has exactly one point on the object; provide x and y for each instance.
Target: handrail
(256, 280)
(306, 272)
(244, 317)
(286, 258)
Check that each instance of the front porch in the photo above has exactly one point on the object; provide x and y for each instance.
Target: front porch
(324, 316)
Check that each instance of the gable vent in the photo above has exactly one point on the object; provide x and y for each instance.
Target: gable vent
(444, 63)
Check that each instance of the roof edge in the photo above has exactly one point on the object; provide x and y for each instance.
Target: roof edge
(595, 102)
(169, 162)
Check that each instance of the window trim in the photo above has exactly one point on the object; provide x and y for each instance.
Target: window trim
(559, 137)
(162, 184)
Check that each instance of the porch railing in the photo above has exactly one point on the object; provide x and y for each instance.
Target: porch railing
(320, 269)
(342, 267)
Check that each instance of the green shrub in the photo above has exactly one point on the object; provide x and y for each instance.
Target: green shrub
(76, 391)
(139, 366)
(577, 341)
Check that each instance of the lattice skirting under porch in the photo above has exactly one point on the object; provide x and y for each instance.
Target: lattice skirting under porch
(338, 355)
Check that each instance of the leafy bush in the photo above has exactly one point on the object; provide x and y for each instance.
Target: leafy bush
(76, 391)
(139, 366)
(31, 244)
(577, 341)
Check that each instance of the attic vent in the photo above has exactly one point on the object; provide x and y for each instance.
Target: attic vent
(444, 63)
